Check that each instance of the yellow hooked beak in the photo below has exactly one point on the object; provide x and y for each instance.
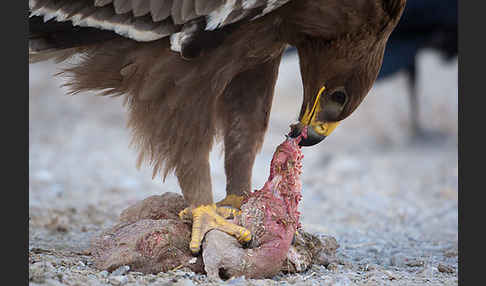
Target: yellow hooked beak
(309, 118)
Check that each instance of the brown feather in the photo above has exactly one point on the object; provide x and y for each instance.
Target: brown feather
(122, 6)
(160, 9)
(206, 7)
(101, 3)
(188, 11)
(176, 12)
(140, 7)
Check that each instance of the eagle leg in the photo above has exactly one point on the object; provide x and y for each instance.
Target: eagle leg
(245, 110)
(208, 217)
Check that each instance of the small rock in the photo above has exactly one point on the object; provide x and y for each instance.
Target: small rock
(398, 260)
(265, 282)
(451, 252)
(390, 275)
(122, 270)
(60, 276)
(103, 274)
(332, 267)
(151, 278)
(39, 270)
(414, 262)
(427, 272)
(52, 282)
(237, 281)
(117, 280)
(373, 280)
(59, 224)
(184, 282)
(445, 268)
(188, 275)
(369, 267)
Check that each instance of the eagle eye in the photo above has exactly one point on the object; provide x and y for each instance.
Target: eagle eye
(339, 97)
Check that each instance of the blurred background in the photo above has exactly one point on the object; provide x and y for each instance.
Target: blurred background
(385, 182)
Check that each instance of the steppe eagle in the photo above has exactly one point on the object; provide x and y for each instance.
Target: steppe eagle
(194, 69)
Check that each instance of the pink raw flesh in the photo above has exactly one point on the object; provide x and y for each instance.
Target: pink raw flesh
(272, 217)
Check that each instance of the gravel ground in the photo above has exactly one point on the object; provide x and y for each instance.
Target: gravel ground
(390, 202)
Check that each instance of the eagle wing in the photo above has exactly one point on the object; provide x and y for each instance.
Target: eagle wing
(149, 20)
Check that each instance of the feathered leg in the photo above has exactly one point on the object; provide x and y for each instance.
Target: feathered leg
(195, 179)
(246, 110)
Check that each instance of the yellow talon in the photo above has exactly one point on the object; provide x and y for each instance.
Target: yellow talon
(233, 201)
(208, 217)
(245, 236)
(227, 212)
(185, 214)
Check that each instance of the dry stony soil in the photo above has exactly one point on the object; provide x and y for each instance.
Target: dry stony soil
(391, 202)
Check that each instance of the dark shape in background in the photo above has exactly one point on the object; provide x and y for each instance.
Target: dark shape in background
(425, 24)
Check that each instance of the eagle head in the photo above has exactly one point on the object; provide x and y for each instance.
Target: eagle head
(338, 69)
(334, 86)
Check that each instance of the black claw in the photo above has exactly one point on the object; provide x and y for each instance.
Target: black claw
(247, 244)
